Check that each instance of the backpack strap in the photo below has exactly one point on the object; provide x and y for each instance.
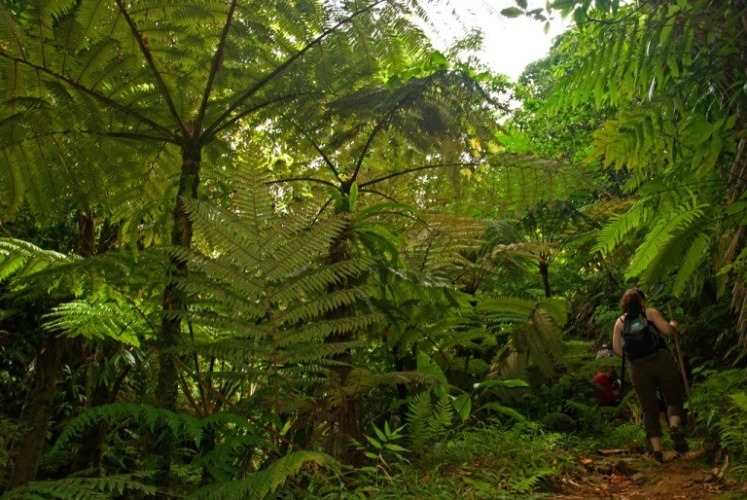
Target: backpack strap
(622, 368)
(622, 376)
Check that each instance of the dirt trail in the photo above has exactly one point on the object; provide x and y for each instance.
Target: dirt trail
(623, 477)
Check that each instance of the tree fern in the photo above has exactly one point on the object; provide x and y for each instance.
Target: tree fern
(277, 314)
(673, 73)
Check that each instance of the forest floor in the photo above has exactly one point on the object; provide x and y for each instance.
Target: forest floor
(623, 476)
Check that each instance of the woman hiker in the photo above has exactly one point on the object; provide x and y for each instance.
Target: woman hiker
(637, 337)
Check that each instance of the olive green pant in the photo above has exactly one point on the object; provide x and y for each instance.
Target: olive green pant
(646, 375)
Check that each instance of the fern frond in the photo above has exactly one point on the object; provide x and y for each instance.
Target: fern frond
(679, 219)
(428, 421)
(83, 488)
(20, 258)
(361, 380)
(98, 320)
(156, 419)
(621, 225)
(267, 481)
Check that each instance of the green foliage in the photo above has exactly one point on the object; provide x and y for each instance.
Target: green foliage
(413, 310)
(98, 320)
(428, 420)
(719, 402)
(20, 258)
(489, 461)
(534, 332)
(488, 457)
(669, 73)
(262, 292)
(733, 432)
(156, 420)
(267, 481)
(622, 435)
(83, 488)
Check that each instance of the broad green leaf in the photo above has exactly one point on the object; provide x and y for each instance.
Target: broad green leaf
(373, 441)
(502, 383)
(353, 196)
(505, 410)
(463, 406)
(512, 12)
(395, 447)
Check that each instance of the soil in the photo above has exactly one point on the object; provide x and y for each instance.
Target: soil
(613, 474)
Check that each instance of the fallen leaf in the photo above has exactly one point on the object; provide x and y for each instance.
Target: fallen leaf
(617, 480)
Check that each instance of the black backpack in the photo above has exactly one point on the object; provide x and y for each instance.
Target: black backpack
(640, 338)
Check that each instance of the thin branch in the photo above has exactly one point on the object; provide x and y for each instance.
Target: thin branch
(383, 195)
(220, 397)
(378, 128)
(217, 61)
(322, 210)
(151, 63)
(319, 150)
(380, 125)
(99, 97)
(260, 84)
(129, 135)
(298, 179)
(188, 393)
(119, 135)
(210, 133)
(415, 169)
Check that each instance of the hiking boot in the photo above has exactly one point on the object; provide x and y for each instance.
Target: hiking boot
(658, 456)
(680, 445)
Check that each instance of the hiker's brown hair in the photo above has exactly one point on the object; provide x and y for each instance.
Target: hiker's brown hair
(632, 300)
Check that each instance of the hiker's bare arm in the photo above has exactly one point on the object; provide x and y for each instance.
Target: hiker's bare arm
(617, 345)
(659, 321)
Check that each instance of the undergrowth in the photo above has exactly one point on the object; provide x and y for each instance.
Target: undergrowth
(494, 461)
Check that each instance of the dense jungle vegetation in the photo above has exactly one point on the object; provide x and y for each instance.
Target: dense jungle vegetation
(288, 249)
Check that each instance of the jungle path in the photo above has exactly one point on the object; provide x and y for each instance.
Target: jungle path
(624, 476)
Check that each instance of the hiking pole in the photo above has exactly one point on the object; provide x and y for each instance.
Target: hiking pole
(679, 358)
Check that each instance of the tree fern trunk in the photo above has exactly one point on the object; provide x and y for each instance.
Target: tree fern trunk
(543, 265)
(174, 303)
(347, 423)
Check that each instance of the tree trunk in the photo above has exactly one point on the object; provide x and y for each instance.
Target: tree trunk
(174, 303)
(47, 367)
(91, 443)
(543, 265)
